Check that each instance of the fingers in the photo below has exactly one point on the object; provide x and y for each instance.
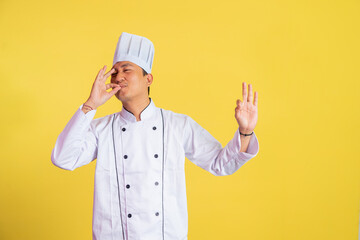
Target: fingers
(250, 96)
(256, 99)
(109, 73)
(112, 92)
(244, 93)
(100, 72)
(101, 75)
(112, 85)
(238, 105)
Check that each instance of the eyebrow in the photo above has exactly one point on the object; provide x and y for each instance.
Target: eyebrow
(125, 65)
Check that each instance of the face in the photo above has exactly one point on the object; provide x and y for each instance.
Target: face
(134, 85)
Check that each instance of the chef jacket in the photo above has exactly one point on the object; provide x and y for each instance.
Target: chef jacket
(139, 190)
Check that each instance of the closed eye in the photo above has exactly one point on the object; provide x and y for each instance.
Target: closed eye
(126, 70)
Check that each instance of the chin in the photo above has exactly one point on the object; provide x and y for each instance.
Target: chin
(118, 96)
(122, 97)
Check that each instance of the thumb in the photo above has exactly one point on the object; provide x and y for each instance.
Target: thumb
(112, 92)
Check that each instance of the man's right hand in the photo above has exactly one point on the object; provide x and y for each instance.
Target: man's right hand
(99, 95)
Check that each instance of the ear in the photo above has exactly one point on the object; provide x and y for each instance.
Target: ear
(149, 79)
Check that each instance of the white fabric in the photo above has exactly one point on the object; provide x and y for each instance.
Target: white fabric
(156, 195)
(136, 49)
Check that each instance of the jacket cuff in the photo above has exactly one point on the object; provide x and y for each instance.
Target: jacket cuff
(82, 119)
(89, 114)
(252, 150)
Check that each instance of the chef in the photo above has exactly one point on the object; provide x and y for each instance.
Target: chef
(139, 190)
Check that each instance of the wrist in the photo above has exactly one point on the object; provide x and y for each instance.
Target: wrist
(245, 132)
(90, 104)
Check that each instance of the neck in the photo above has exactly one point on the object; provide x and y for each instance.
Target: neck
(136, 106)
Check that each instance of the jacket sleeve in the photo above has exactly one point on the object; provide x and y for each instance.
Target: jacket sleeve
(77, 143)
(205, 151)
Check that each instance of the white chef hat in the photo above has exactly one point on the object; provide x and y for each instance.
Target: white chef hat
(136, 49)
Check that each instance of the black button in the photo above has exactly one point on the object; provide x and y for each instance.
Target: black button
(125, 156)
(156, 183)
(129, 215)
(156, 214)
(123, 129)
(156, 156)
(127, 186)
(154, 128)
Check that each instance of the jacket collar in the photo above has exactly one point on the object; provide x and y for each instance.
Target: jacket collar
(147, 113)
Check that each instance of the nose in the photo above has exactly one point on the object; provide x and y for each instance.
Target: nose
(119, 78)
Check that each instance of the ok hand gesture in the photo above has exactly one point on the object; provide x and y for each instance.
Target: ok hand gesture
(246, 111)
(99, 95)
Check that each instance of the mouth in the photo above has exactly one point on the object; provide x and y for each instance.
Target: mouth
(122, 88)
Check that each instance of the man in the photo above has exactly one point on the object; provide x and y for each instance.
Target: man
(139, 178)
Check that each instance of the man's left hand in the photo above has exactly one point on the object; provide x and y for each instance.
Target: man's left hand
(246, 111)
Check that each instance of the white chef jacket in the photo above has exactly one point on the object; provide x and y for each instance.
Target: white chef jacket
(139, 190)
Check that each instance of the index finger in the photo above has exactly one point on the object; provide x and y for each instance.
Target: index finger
(108, 73)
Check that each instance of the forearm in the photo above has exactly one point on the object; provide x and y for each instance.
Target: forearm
(76, 145)
(245, 140)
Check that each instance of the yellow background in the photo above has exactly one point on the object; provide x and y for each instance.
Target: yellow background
(301, 56)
